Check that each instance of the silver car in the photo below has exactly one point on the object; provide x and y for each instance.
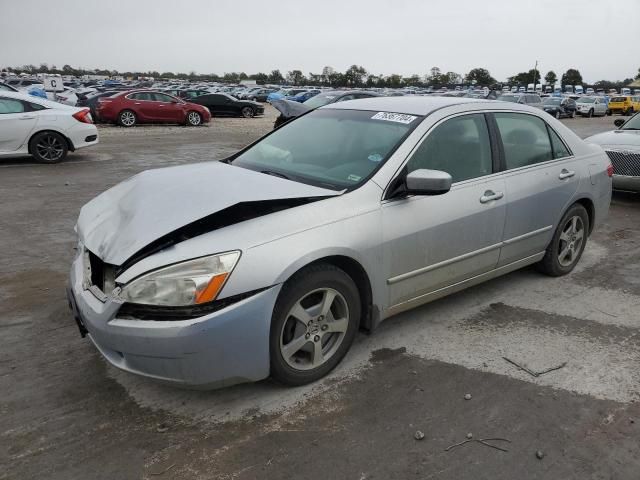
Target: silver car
(623, 147)
(268, 263)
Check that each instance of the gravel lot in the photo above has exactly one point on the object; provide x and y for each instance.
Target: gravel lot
(66, 414)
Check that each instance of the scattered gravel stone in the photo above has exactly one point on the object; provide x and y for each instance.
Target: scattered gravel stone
(161, 428)
(539, 454)
(419, 435)
(469, 436)
(467, 396)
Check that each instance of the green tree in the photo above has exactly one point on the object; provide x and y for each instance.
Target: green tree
(296, 77)
(260, 78)
(638, 75)
(435, 77)
(525, 78)
(572, 77)
(481, 76)
(275, 77)
(551, 78)
(354, 76)
(394, 81)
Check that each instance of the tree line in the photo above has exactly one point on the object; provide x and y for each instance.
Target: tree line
(354, 76)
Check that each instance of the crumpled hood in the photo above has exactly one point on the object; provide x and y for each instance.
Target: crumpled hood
(289, 108)
(617, 138)
(124, 219)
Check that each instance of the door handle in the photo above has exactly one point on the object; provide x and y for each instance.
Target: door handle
(566, 174)
(138, 103)
(27, 117)
(490, 195)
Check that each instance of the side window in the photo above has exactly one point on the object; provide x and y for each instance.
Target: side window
(34, 107)
(161, 97)
(347, 97)
(525, 139)
(560, 150)
(8, 105)
(460, 147)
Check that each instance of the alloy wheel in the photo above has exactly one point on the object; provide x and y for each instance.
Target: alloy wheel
(571, 238)
(314, 329)
(247, 112)
(127, 119)
(50, 148)
(194, 118)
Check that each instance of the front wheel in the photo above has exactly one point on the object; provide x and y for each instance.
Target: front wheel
(314, 323)
(194, 119)
(567, 244)
(573, 114)
(590, 113)
(247, 112)
(48, 147)
(557, 115)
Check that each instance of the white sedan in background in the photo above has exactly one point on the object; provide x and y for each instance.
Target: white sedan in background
(46, 130)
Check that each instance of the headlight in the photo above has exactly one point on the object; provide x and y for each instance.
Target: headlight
(188, 283)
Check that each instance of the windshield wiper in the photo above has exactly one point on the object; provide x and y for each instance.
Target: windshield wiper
(275, 174)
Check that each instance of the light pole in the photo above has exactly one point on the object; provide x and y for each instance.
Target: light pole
(535, 74)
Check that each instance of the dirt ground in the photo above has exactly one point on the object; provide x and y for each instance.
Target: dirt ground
(66, 414)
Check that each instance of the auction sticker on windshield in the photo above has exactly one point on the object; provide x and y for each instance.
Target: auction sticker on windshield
(394, 117)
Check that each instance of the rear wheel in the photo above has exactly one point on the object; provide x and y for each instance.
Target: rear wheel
(567, 244)
(314, 323)
(194, 119)
(608, 112)
(48, 147)
(247, 112)
(127, 118)
(557, 114)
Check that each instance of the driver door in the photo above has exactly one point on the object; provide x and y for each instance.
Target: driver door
(431, 242)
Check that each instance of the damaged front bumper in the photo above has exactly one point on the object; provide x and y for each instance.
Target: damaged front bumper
(222, 348)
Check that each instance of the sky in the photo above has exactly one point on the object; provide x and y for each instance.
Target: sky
(600, 38)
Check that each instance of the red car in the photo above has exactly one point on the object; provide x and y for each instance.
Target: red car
(144, 106)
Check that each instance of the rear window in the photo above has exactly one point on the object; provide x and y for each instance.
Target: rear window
(618, 99)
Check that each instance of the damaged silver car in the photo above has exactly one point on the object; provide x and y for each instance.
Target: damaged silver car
(269, 262)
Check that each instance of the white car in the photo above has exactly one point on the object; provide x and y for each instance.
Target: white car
(590, 106)
(68, 96)
(41, 128)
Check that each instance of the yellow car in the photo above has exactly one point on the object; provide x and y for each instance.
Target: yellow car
(624, 104)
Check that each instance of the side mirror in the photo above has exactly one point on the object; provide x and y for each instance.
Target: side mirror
(618, 122)
(428, 182)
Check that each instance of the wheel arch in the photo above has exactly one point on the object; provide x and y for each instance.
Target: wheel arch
(70, 145)
(589, 206)
(353, 268)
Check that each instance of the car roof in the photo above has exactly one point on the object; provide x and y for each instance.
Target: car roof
(33, 99)
(411, 105)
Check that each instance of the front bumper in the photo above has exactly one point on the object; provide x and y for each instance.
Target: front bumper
(223, 348)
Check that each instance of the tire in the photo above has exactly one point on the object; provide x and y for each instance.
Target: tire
(573, 114)
(193, 119)
(557, 115)
(48, 147)
(590, 113)
(295, 341)
(127, 118)
(570, 237)
(247, 112)
(608, 113)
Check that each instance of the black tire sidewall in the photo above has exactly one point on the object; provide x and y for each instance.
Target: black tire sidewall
(305, 281)
(34, 151)
(245, 109)
(550, 264)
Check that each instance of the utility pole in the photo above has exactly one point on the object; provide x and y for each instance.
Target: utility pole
(535, 74)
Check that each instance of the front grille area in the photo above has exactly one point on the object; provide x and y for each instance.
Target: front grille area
(625, 163)
(103, 275)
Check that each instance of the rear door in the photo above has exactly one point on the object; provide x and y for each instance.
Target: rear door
(142, 103)
(431, 242)
(541, 176)
(17, 121)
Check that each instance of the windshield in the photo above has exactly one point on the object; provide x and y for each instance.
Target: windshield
(618, 99)
(508, 98)
(322, 99)
(633, 123)
(587, 100)
(552, 101)
(334, 149)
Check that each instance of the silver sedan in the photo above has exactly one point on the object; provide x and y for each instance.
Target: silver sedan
(268, 263)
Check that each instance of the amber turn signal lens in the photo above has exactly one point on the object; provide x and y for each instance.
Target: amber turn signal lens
(210, 292)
